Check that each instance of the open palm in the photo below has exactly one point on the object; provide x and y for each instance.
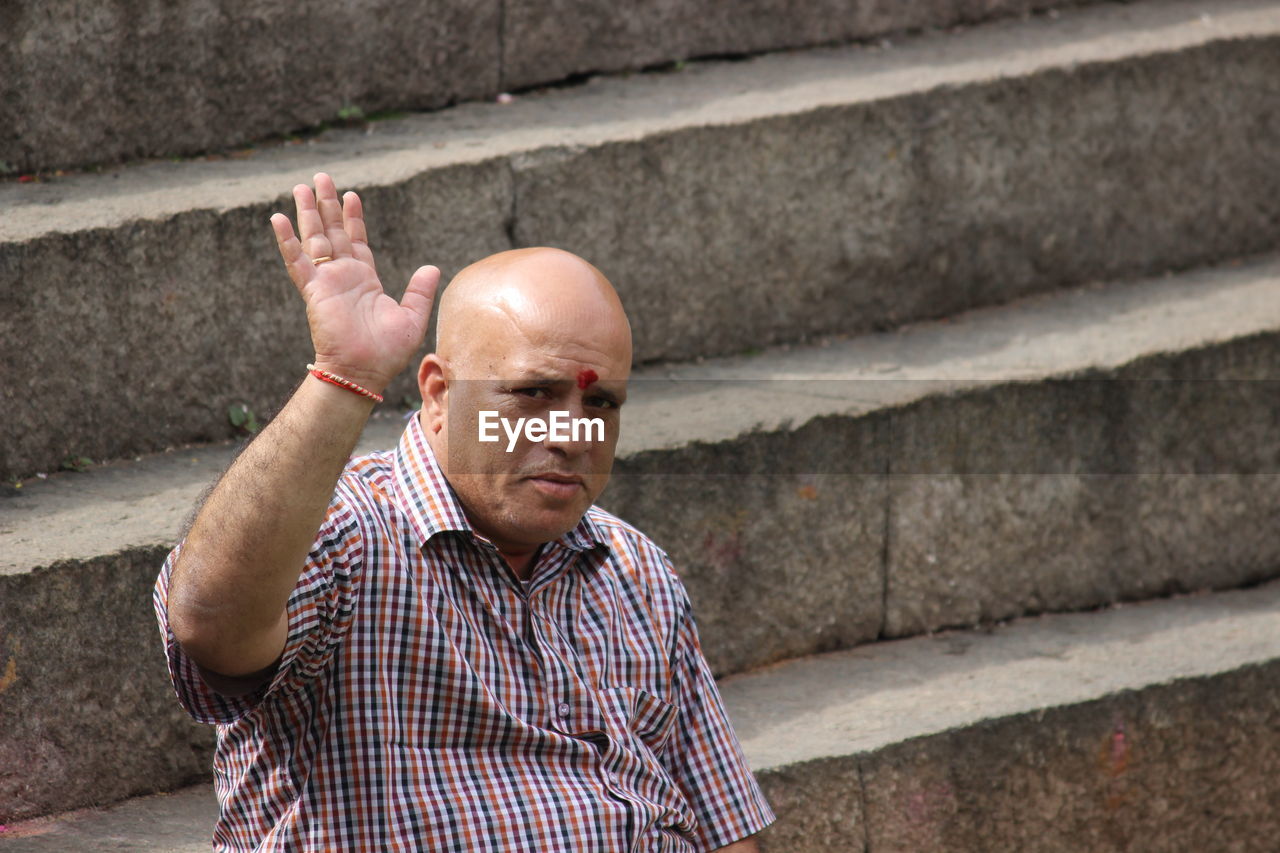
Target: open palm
(358, 331)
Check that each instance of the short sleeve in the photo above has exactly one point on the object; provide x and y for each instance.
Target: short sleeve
(705, 758)
(319, 609)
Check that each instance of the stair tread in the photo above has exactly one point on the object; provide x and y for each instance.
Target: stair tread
(860, 700)
(144, 502)
(628, 107)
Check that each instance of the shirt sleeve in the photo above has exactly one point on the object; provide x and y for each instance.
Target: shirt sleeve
(319, 610)
(706, 760)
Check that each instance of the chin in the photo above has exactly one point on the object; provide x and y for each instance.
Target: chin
(538, 522)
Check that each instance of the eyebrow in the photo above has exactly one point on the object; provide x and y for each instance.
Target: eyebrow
(557, 383)
(609, 395)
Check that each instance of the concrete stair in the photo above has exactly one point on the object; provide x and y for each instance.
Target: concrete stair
(89, 86)
(961, 330)
(949, 474)
(1145, 727)
(735, 205)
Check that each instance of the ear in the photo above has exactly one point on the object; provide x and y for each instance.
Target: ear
(433, 385)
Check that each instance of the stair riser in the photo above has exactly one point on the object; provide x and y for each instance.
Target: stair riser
(861, 216)
(1183, 766)
(88, 716)
(852, 218)
(130, 340)
(990, 504)
(127, 80)
(591, 35)
(123, 82)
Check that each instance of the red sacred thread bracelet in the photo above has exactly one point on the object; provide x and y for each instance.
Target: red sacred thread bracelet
(335, 379)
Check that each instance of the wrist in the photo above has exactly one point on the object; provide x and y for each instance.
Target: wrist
(344, 381)
(375, 380)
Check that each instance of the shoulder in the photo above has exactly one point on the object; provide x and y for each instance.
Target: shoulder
(366, 481)
(634, 550)
(362, 502)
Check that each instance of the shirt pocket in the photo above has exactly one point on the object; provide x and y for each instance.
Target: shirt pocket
(647, 717)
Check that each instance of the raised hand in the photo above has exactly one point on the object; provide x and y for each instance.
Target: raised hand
(358, 331)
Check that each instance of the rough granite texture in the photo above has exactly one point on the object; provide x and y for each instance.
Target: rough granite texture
(146, 343)
(1185, 766)
(1145, 727)
(550, 39)
(863, 216)
(1161, 477)
(139, 78)
(86, 710)
(805, 516)
(108, 81)
(945, 174)
(778, 564)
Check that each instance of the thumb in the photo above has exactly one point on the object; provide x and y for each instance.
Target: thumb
(421, 292)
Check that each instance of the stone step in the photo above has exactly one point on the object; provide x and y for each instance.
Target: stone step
(1143, 727)
(79, 89)
(1059, 453)
(735, 205)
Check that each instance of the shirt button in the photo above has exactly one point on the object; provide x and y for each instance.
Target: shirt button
(562, 710)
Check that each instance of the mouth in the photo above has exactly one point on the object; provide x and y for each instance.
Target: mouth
(556, 485)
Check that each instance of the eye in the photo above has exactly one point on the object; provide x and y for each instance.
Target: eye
(535, 392)
(600, 403)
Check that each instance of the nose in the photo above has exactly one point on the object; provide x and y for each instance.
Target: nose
(571, 431)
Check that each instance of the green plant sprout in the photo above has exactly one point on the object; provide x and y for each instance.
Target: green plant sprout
(243, 418)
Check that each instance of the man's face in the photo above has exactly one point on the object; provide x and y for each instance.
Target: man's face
(540, 488)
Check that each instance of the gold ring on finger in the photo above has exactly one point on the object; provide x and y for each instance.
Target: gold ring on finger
(319, 261)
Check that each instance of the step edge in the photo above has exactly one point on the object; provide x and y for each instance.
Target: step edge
(238, 185)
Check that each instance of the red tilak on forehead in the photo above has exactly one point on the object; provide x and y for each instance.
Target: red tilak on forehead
(586, 377)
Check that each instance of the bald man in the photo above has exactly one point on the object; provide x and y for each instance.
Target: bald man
(447, 646)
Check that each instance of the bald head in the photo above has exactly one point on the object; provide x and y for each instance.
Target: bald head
(526, 335)
(541, 296)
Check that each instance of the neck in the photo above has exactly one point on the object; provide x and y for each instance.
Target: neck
(521, 562)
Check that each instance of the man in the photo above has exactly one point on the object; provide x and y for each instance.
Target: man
(446, 646)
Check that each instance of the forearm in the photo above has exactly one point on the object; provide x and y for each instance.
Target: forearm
(247, 547)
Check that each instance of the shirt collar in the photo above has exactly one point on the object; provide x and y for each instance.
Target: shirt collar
(433, 507)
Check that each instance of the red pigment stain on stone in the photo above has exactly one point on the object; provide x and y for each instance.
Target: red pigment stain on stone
(586, 377)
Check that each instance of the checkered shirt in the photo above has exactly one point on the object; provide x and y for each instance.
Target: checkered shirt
(429, 700)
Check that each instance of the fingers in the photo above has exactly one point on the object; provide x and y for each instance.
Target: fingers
(330, 210)
(353, 224)
(327, 228)
(310, 228)
(298, 264)
(421, 292)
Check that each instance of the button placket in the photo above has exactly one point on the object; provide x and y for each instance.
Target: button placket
(567, 694)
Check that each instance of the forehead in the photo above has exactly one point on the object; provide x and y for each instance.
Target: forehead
(553, 342)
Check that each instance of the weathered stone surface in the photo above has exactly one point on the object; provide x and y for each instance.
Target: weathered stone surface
(181, 822)
(129, 340)
(546, 40)
(774, 495)
(1071, 494)
(1143, 727)
(818, 804)
(864, 215)
(777, 564)
(140, 78)
(1147, 727)
(842, 190)
(1185, 766)
(137, 78)
(86, 711)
